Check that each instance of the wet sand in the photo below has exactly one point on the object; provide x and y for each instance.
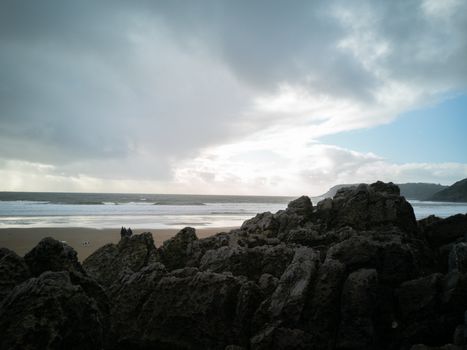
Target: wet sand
(22, 240)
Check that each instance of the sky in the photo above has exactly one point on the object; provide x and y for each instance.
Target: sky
(231, 97)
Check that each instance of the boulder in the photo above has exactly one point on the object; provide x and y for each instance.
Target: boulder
(265, 224)
(176, 252)
(366, 207)
(50, 312)
(52, 255)
(298, 212)
(358, 305)
(13, 271)
(111, 262)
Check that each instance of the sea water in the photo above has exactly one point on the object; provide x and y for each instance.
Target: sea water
(101, 210)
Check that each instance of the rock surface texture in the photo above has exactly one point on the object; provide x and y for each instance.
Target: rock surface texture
(356, 271)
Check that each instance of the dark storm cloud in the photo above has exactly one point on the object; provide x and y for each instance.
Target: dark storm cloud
(106, 87)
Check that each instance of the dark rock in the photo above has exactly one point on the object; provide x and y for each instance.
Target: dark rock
(52, 255)
(288, 300)
(265, 224)
(301, 206)
(196, 312)
(111, 262)
(444, 347)
(200, 246)
(268, 283)
(322, 312)
(176, 251)
(278, 338)
(298, 212)
(459, 336)
(13, 271)
(368, 207)
(359, 301)
(248, 299)
(129, 296)
(395, 260)
(50, 312)
(447, 230)
(458, 258)
(249, 262)
(419, 321)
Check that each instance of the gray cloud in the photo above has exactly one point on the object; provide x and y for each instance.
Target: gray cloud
(105, 88)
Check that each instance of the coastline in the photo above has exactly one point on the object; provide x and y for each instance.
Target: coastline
(22, 240)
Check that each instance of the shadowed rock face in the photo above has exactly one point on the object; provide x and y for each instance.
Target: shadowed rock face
(50, 312)
(354, 272)
(114, 261)
(13, 271)
(52, 255)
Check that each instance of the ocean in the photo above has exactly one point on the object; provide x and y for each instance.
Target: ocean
(153, 211)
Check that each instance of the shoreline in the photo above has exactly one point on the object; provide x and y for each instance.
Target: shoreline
(22, 240)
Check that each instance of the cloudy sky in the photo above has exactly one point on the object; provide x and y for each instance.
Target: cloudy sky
(231, 97)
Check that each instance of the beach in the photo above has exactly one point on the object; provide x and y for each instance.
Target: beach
(22, 240)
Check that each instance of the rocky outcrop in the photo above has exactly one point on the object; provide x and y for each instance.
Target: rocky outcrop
(51, 312)
(445, 231)
(354, 272)
(366, 207)
(114, 261)
(176, 252)
(52, 255)
(13, 271)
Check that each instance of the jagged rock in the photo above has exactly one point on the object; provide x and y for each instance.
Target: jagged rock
(395, 259)
(288, 300)
(279, 338)
(322, 311)
(268, 283)
(447, 230)
(176, 251)
(301, 206)
(52, 255)
(111, 262)
(234, 347)
(248, 300)
(459, 336)
(366, 207)
(458, 258)
(129, 297)
(453, 299)
(50, 312)
(358, 305)
(444, 347)
(200, 246)
(249, 262)
(13, 271)
(265, 224)
(419, 301)
(428, 221)
(196, 312)
(298, 212)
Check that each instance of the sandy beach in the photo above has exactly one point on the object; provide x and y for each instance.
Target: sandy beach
(22, 240)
